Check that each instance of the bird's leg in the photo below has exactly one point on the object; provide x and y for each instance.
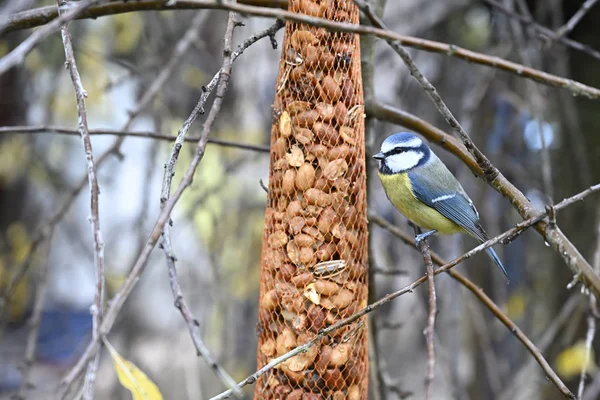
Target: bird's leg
(422, 236)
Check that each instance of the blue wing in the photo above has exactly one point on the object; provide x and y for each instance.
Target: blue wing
(447, 197)
(441, 191)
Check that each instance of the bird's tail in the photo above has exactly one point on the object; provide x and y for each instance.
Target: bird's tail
(497, 261)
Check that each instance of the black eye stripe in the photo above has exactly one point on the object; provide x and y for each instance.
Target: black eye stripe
(400, 150)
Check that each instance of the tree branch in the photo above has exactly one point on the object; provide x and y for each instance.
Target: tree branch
(574, 20)
(8, 130)
(43, 15)
(97, 308)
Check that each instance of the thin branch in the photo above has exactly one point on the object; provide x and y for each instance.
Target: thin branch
(7, 130)
(43, 15)
(80, 93)
(589, 341)
(549, 33)
(17, 55)
(575, 87)
(551, 234)
(489, 303)
(180, 302)
(574, 20)
(163, 218)
(423, 247)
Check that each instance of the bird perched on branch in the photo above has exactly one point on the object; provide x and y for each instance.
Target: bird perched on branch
(422, 188)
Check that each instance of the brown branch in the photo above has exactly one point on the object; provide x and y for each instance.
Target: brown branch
(488, 302)
(575, 87)
(43, 15)
(551, 234)
(549, 33)
(17, 55)
(80, 94)
(7, 130)
(423, 247)
(180, 302)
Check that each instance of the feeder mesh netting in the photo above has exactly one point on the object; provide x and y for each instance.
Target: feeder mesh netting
(314, 255)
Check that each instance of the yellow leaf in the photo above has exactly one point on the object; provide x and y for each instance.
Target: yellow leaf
(132, 378)
(572, 360)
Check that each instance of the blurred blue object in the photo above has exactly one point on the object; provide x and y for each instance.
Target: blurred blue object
(63, 335)
(533, 138)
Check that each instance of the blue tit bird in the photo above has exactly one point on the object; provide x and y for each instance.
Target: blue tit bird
(422, 188)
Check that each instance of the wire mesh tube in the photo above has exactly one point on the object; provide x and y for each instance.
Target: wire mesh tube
(314, 255)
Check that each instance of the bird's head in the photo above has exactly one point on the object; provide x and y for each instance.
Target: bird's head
(402, 152)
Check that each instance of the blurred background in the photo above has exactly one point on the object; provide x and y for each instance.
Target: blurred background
(543, 139)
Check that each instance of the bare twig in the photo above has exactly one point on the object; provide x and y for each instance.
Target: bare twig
(575, 87)
(574, 20)
(43, 15)
(34, 323)
(423, 247)
(180, 302)
(18, 54)
(589, 340)
(97, 308)
(489, 303)
(163, 218)
(7, 130)
(549, 33)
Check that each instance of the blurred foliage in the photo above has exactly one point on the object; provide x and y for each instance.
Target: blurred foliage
(574, 359)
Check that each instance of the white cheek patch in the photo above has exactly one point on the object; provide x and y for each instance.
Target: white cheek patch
(403, 161)
(412, 143)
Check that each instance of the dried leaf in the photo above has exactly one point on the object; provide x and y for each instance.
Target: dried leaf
(132, 378)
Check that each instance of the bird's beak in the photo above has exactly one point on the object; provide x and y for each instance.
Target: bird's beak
(379, 156)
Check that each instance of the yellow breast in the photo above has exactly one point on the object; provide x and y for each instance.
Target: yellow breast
(399, 190)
